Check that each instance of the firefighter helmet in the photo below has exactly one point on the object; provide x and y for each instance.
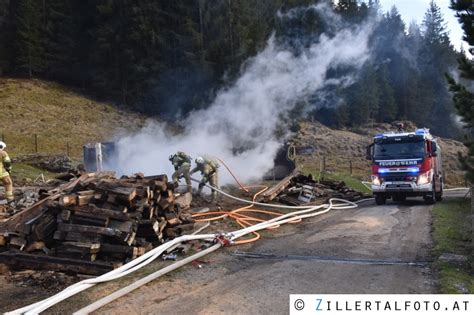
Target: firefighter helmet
(199, 160)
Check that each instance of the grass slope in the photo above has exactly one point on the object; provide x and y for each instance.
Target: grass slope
(57, 115)
(452, 234)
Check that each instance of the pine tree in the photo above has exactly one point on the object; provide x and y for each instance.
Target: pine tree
(364, 97)
(437, 57)
(435, 28)
(4, 5)
(28, 44)
(462, 96)
(387, 107)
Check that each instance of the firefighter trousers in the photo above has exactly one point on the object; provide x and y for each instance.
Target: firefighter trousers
(213, 181)
(8, 185)
(183, 171)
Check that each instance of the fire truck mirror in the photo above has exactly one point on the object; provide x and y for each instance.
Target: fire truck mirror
(434, 149)
(369, 152)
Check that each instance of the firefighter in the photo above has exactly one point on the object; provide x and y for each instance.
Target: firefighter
(5, 169)
(209, 172)
(182, 165)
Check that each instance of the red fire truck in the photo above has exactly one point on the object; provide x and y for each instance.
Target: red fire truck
(406, 164)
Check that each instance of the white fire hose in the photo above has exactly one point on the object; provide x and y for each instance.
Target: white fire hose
(220, 239)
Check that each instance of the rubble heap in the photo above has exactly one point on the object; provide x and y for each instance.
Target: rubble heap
(297, 189)
(56, 163)
(95, 223)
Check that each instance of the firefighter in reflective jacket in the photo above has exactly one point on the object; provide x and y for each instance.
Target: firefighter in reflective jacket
(182, 165)
(5, 169)
(209, 172)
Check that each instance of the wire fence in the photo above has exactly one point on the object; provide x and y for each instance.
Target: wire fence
(357, 166)
(24, 144)
(318, 164)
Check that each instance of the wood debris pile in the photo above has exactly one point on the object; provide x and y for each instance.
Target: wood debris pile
(297, 189)
(95, 223)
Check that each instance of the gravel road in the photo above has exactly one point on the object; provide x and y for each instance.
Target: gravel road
(372, 249)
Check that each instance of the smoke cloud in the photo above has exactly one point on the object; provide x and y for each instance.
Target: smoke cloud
(240, 124)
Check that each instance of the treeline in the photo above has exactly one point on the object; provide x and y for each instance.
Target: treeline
(152, 55)
(404, 79)
(169, 57)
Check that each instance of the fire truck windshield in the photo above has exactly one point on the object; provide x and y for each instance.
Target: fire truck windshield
(384, 150)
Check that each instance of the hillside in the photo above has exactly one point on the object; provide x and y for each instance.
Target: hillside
(57, 115)
(340, 146)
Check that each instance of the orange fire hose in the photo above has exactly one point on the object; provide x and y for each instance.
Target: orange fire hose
(243, 220)
(235, 178)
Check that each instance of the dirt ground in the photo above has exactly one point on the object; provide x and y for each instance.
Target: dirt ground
(372, 249)
(340, 252)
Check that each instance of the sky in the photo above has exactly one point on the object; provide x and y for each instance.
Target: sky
(415, 10)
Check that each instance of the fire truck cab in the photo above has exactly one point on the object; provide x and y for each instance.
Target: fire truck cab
(406, 164)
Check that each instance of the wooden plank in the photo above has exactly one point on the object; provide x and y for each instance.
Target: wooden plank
(184, 200)
(107, 213)
(162, 225)
(18, 242)
(116, 249)
(89, 219)
(79, 247)
(44, 228)
(148, 228)
(162, 178)
(270, 194)
(85, 199)
(166, 200)
(78, 237)
(174, 222)
(68, 200)
(35, 246)
(65, 215)
(65, 227)
(126, 192)
(160, 185)
(68, 265)
(122, 226)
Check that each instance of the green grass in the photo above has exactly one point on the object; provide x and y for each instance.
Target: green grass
(24, 172)
(452, 234)
(352, 181)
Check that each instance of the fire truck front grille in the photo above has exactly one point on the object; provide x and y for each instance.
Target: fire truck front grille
(397, 186)
(399, 178)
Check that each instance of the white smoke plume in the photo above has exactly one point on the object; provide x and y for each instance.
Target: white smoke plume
(247, 114)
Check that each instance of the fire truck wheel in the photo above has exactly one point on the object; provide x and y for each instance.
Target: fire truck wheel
(439, 195)
(430, 198)
(380, 199)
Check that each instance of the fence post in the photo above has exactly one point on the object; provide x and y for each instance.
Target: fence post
(472, 221)
(3, 137)
(350, 167)
(36, 142)
(324, 163)
(67, 148)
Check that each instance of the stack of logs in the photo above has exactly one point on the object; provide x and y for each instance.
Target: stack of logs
(95, 223)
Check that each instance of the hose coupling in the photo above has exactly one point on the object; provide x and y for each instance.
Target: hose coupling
(223, 239)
